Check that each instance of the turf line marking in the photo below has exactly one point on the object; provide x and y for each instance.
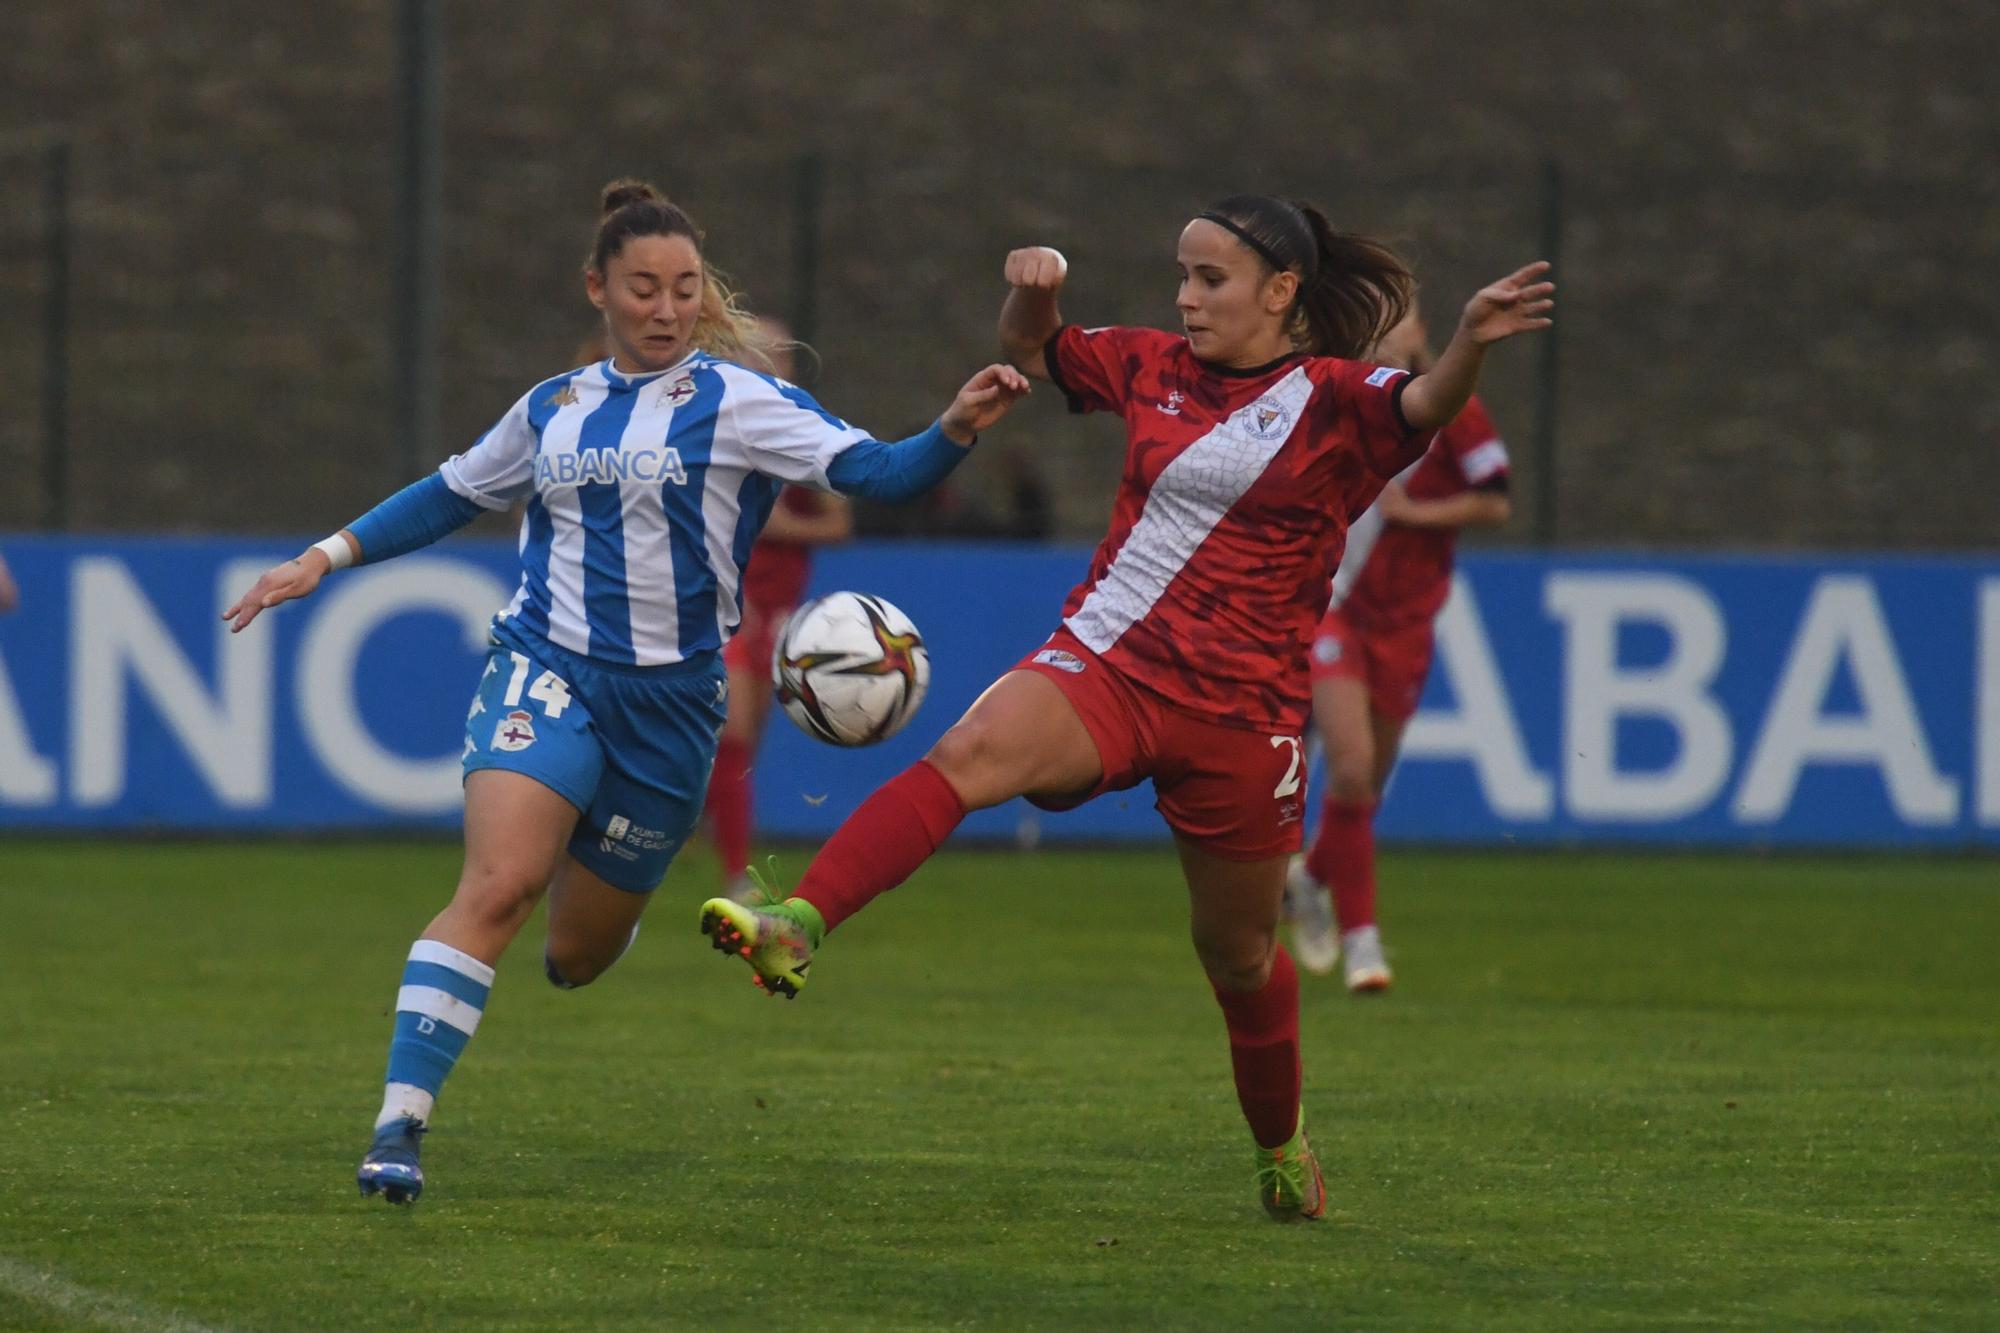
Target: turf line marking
(97, 1307)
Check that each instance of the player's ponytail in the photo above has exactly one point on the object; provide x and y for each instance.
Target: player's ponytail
(1360, 291)
(629, 208)
(1352, 290)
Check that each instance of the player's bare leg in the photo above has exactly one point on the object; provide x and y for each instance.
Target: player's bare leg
(515, 829)
(1021, 737)
(515, 832)
(1233, 914)
(591, 924)
(1366, 963)
(1341, 716)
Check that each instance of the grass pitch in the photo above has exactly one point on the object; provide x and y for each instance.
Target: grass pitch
(1606, 1092)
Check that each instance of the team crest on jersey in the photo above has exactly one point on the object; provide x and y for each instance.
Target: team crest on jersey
(1061, 660)
(1269, 419)
(563, 397)
(679, 392)
(515, 732)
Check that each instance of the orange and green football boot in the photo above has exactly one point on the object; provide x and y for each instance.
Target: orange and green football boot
(1289, 1184)
(776, 938)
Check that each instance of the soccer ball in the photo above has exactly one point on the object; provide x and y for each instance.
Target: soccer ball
(850, 669)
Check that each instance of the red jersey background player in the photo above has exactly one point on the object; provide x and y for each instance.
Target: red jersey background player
(1369, 659)
(774, 583)
(1181, 656)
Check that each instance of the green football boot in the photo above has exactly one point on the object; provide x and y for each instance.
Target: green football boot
(776, 938)
(1289, 1184)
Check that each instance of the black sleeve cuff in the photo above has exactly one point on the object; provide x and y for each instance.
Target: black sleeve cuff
(1050, 364)
(1497, 484)
(1396, 403)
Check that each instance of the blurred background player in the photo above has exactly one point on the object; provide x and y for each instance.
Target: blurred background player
(590, 739)
(1369, 659)
(1180, 656)
(774, 582)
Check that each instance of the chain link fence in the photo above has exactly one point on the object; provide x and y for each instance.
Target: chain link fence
(1746, 361)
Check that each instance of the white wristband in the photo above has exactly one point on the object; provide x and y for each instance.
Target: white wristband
(338, 553)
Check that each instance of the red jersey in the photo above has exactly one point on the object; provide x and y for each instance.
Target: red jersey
(775, 578)
(1230, 515)
(1407, 575)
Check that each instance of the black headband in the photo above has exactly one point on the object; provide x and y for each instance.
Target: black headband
(1270, 256)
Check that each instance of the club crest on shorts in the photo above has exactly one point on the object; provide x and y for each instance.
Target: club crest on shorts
(1326, 651)
(1269, 419)
(1061, 660)
(515, 732)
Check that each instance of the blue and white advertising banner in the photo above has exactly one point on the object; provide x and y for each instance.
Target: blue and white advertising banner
(1575, 699)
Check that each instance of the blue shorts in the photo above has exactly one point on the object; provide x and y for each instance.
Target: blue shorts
(629, 747)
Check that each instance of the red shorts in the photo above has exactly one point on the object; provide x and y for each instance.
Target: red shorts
(1236, 794)
(1392, 662)
(756, 640)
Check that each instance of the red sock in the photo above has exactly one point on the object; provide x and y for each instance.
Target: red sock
(728, 807)
(882, 843)
(1343, 859)
(1264, 1051)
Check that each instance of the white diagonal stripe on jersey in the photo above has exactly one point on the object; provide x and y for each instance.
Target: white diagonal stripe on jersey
(441, 1005)
(1362, 534)
(652, 604)
(569, 621)
(1190, 497)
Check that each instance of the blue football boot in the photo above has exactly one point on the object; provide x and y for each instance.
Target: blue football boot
(390, 1168)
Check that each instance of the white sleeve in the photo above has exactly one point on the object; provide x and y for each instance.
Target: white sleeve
(1483, 462)
(500, 469)
(781, 430)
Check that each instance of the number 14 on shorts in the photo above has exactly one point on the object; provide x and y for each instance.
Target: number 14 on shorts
(549, 689)
(515, 729)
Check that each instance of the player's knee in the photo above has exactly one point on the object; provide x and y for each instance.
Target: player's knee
(1351, 778)
(498, 896)
(568, 969)
(1238, 961)
(975, 759)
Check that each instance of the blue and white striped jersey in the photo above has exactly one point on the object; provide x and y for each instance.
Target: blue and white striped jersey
(644, 494)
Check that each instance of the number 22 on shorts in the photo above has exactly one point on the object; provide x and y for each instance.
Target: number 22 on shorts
(1294, 777)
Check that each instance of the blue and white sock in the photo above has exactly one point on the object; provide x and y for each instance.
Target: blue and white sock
(437, 1011)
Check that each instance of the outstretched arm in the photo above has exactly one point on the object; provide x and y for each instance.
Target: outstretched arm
(1477, 508)
(1518, 303)
(412, 518)
(1029, 318)
(875, 470)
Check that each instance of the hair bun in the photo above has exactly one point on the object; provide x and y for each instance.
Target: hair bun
(628, 190)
